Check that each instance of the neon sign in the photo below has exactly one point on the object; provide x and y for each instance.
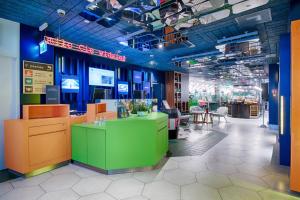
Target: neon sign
(82, 48)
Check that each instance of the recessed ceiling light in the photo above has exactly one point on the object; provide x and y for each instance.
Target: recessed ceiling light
(91, 1)
(160, 45)
(86, 21)
(124, 43)
(92, 7)
(152, 62)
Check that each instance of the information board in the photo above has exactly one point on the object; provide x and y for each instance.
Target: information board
(36, 76)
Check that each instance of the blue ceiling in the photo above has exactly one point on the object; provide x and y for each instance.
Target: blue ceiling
(72, 27)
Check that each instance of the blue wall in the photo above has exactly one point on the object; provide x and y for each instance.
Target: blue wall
(76, 63)
(273, 100)
(285, 91)
(30, 38)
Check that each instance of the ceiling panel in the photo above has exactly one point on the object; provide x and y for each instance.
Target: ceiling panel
(204, 37)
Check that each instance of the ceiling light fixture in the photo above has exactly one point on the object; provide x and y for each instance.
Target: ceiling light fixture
(86, 21)
(43, 26)
(160, 45)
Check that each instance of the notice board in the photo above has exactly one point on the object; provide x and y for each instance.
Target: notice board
(36, 76)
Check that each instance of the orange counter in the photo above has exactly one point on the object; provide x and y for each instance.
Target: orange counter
(40, 139)
(295, 107)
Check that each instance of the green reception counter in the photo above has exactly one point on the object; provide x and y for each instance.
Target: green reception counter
(121, 144)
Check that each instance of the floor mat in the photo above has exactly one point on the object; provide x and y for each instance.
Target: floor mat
(196, 142)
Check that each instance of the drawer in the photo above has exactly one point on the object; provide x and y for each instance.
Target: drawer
(47, 147)
(37, 130)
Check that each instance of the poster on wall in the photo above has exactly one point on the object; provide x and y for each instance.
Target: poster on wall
(36, 76)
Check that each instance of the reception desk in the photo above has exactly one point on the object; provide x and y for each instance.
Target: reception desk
(38, 141)
(241, 110)
(121, 144)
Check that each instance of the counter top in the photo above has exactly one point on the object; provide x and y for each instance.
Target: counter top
(133, 117)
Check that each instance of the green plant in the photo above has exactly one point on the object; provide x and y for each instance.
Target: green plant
(139, 107)
(142, 107)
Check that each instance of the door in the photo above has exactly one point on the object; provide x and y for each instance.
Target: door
(9, 96)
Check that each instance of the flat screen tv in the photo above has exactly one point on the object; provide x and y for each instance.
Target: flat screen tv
(101, 77)
(69, 84)
(146, 86)
(123, 87)
(137, 77)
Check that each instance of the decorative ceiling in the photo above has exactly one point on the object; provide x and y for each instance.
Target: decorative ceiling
(152, 33)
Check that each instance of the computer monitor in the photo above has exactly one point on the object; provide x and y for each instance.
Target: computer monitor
(139, 94)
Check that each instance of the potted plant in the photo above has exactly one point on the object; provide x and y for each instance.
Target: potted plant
(141, 109)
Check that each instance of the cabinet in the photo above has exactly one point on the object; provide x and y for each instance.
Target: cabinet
(125, 143)
(40, 139)
(89, 146)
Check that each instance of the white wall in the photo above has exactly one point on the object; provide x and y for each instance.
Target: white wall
(9, 76)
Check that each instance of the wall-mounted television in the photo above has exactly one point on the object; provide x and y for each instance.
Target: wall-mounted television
(146, 87)
(123, 87)
(137, 77)
(69, 84)
(101, 77)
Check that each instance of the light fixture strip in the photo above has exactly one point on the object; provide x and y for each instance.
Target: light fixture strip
(281, 114)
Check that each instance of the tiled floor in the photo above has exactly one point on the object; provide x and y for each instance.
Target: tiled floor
(237, 168)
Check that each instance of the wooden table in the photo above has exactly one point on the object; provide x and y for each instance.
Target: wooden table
(196, 115)
(205, 117)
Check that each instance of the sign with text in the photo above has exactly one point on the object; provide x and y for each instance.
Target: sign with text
(36, 76)
(82, 48)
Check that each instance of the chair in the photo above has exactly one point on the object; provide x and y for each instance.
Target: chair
(184, 120)
(221, 112)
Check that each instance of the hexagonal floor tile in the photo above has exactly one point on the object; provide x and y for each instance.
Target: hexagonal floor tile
(120, 176)
(5, 187)
(162, 190)
(198, 191)
(84, 173)
(193, 165)
(229, 160)
(253, 170)
(181, 158)
(180, 177)
(148, 176)
(125, 188)
(221, 168)
(32, 181)
(248, 181)
(170, 164)
(238, 193)
(70, 168)
(273, 195)
(27, 193)
(60, 195)
(136, 198)
(60, 182)
(91, 185)
(99, 196)
(213, 179)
